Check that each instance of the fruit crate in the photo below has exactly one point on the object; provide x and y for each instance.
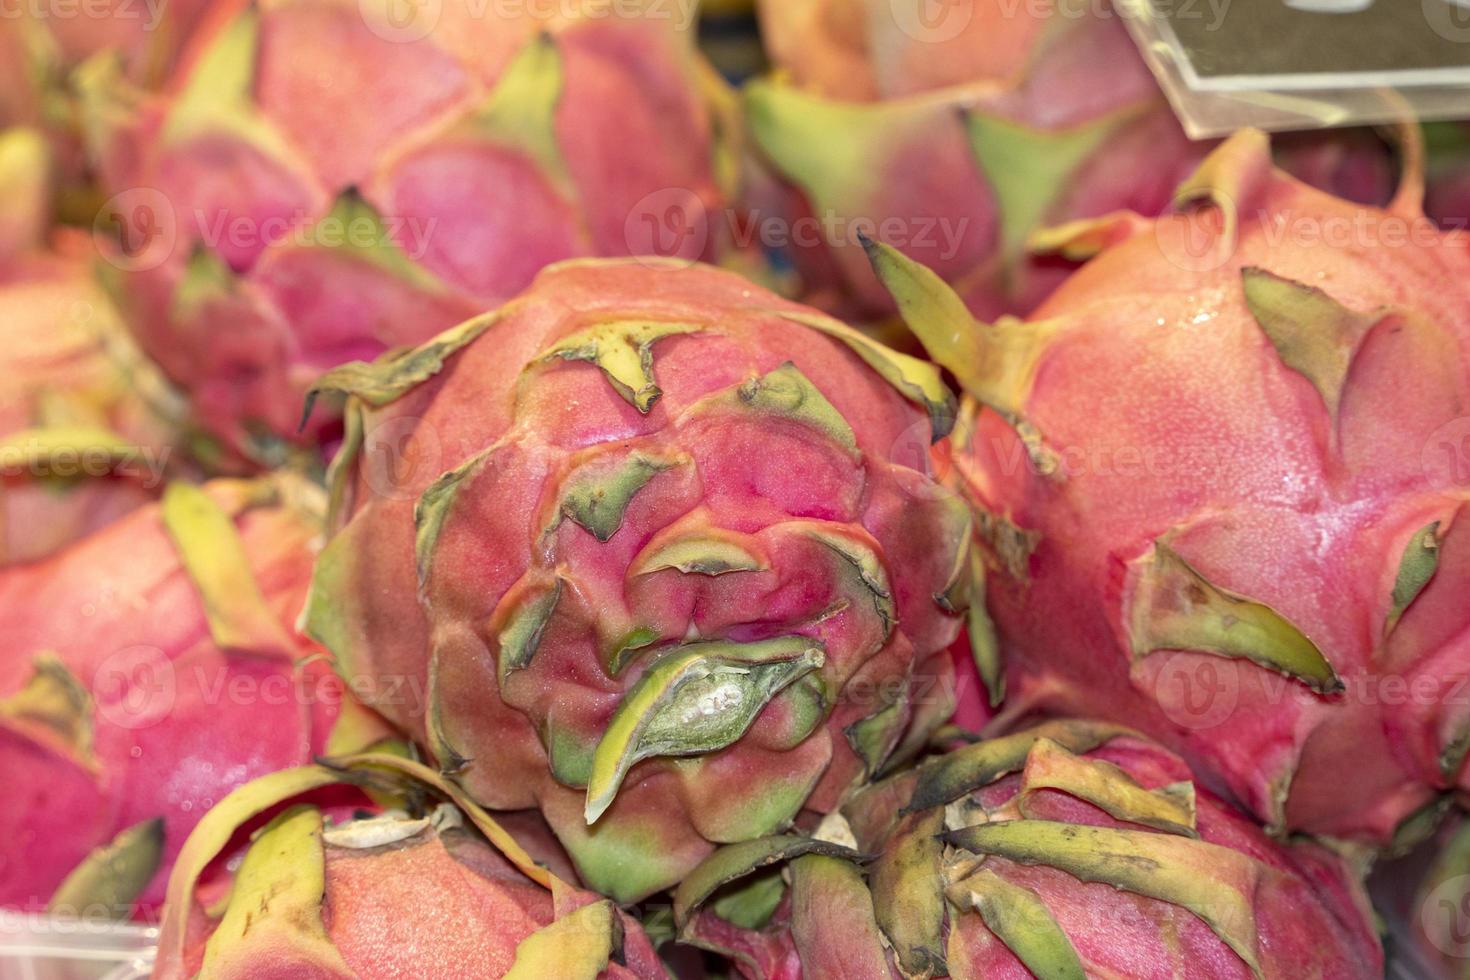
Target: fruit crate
(34, 947)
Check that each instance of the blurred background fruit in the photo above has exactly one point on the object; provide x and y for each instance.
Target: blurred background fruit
(954, 136)
(320, 183)
(88, 427)
(1448, 196)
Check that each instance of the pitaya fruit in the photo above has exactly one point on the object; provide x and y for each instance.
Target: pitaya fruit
(1447, 198)
(648, 549)
(865, 50)
(25, 187)
(147, 671)
(1222, 479)
(43, 44)
(953, 131)
(87, 426)
(441, 892)
(1071, 849)
(333, 184)
(1428, 894)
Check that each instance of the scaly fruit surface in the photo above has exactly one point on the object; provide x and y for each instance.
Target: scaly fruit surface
(954, 131)
(333, 184)
(1221, 479)
(43, 44)
(431, 892)
(1072, 849)
(87, 425)
(647, 547)
(147, 671)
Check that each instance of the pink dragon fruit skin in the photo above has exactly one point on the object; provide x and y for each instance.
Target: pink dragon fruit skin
(419, 890)
(1216, 527)
(960, 143)
(859, 50)
(1069, 849)
(461, 162)
(42, 45)
(86, 424)
(562, 523)
(148, 670)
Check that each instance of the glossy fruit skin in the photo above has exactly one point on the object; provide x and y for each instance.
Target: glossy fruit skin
(954, 133)
(1245, 546)
(134, 694)
(334, 185)
(638, 482)
(397, 886)
(1066, 849)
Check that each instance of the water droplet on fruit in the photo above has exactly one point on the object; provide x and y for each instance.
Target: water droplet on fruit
(136, 752)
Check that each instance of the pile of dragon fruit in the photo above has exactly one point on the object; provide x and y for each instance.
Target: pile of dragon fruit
(483, 494)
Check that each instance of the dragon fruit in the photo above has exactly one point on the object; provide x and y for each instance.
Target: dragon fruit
(333, 184)
(1209, 509)
(1429, 893)
(86, 424)
(1071, 849)
(865, 50)
(953, 131)
(1447, 198)
(441, 892)
(147, 671)
(25, 186)
(42, 45)
(650, 549)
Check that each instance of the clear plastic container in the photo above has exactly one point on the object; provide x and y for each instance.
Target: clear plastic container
(38, 947)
